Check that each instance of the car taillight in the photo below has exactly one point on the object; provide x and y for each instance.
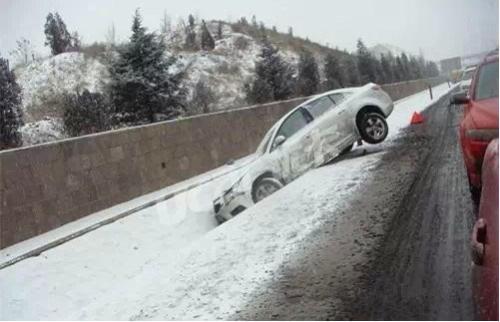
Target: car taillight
(482, 134)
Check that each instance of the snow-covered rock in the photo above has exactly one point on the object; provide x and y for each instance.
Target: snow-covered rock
(46, 130)
(67, 72)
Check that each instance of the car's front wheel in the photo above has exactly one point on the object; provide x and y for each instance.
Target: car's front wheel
(265, 187)
(373, 128)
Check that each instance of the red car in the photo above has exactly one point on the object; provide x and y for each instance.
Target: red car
(480, 121)
(485, 239)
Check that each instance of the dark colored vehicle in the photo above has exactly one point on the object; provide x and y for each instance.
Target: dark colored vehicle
(484, 241)
(480, 120)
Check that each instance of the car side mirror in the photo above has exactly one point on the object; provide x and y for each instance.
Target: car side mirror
(280, 139)
(459, 98)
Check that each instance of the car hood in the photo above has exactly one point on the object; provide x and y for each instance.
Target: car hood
(245, 170)
(466, 82)
(484, 113)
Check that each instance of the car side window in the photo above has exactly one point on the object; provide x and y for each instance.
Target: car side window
(296, 121)
(338, 98)
(487, 83)
(320, 106)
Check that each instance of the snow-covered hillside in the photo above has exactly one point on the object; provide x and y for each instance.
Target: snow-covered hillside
(44, 79)
(225, 69)
(384, 49)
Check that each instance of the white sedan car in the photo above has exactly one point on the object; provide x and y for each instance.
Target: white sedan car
(467, 79)
(310, 135)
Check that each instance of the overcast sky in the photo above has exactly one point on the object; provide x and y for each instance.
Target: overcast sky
(437, 28)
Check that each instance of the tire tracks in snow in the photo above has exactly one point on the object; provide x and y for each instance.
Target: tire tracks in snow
(398, 250)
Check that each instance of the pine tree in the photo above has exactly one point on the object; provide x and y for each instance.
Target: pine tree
(219, 30)
(255, 25)
(333, 73)
(405, 63)
(387, 69)
(11, 116)
(414, 68)
(207, 41)
(142, 87)
(166, 24)
(379, 73)
(399, 70)
(259, 91)
(273, 77)
(243, 21)
(351, 71)
(262, 32)
(308, 79)
(366, 63)
(190, 43)
(57, 36)
(432, 69)
(85, 113)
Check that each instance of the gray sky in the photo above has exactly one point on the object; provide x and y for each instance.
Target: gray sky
(438, 28)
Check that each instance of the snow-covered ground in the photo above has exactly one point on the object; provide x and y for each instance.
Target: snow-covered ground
(168, 261)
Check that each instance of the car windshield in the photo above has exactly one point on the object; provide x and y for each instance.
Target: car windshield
(487, 82)
(265, 141)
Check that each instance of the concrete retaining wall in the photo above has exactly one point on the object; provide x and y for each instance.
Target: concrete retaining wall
(403, 89)
(49, 185)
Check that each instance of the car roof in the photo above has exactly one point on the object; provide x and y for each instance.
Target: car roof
(340, 90)
(490, 59)
(335, 91)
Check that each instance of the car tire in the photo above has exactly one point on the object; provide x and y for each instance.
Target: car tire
(265, 187)
(373, 128)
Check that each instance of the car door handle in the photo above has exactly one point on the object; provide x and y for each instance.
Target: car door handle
(478, 241)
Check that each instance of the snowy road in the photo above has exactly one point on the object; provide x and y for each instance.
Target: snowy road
(168, 261)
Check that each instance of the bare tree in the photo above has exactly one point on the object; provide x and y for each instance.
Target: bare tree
(166, 24)
(24, 52)
(111, 35)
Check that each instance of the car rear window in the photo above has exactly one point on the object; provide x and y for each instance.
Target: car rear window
(487, 82)
(319, 106)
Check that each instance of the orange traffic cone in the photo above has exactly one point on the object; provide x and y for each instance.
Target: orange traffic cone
(417, 118)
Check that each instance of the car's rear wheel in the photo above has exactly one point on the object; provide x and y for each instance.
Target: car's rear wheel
(373, 128)
(265, 187)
